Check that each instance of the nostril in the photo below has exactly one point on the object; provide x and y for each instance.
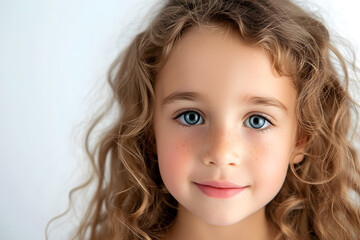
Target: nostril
(222, 162)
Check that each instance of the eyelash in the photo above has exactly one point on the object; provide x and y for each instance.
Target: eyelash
(264, 116)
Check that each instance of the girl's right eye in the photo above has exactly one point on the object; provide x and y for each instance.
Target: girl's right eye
(190, 118)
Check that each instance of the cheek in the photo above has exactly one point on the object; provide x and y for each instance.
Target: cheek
(173, 158)
(269, 167)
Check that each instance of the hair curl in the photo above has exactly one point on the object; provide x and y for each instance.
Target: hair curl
(317, 200)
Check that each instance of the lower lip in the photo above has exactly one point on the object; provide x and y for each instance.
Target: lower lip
(219, 192)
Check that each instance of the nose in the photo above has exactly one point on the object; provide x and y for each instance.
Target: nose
(223, 148)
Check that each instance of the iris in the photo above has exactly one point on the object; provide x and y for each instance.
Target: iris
(256, 121)
(191, 118)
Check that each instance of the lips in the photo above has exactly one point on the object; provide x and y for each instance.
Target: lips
(219, 189)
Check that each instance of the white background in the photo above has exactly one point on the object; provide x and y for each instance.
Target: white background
(54, 55)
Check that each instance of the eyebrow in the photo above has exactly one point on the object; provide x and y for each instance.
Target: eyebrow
(176, 96)
(265, 101)
(249, 99)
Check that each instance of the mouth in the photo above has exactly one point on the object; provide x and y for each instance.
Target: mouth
(219, 190)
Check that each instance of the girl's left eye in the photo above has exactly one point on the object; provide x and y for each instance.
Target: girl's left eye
(256, 122)
(190, 118)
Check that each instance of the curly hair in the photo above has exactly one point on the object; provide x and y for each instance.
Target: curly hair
(319, 197)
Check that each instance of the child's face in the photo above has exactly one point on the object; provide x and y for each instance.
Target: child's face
(222, 116)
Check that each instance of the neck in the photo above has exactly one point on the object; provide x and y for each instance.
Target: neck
(190, 227)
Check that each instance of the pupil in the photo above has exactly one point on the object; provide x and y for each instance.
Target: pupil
(192, 117)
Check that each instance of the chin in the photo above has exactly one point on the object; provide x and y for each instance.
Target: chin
(222, 220)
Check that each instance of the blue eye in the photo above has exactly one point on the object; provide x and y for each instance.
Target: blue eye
(191, 118)
(256, 122)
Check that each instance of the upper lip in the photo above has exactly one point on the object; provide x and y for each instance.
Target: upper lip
(217, 184)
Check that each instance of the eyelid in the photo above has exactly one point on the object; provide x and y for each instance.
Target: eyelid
(267, 117)
(179, 113)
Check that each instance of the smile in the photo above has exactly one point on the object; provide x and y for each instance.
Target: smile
(219, 191)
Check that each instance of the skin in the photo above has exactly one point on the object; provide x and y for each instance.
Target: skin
(225, 74)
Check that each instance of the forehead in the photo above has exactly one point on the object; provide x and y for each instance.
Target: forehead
(217, 61)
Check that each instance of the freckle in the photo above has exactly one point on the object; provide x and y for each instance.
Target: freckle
(183, 147)
(257, 150)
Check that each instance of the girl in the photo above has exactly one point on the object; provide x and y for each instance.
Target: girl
(236, 123)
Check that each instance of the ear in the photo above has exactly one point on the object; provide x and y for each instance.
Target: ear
(300, 147)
